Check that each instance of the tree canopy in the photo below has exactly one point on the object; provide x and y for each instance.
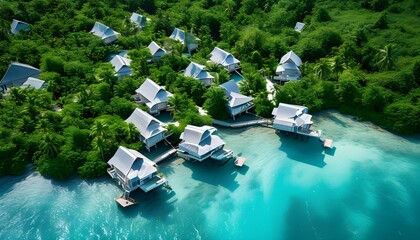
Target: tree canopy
(361, 57)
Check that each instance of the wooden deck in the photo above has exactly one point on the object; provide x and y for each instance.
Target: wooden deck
(328, 143)
(125, 202)
(239, 162)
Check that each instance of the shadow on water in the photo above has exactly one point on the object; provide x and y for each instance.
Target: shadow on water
(306, 151)
(7, 182)
(242, 170)
(157, 203)
(330, 151)
(211, 172)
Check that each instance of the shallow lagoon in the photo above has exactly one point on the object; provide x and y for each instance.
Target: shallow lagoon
(365, 188)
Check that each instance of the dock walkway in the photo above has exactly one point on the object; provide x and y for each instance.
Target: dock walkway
(164, 155)
(241, 124)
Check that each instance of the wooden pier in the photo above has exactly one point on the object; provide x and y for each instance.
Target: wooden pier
(165, 155)
(241, 124)
(125, 201)
(239, 162)
(328, 143)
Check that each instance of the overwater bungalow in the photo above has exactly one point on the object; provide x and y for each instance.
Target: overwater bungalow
(121, 66)
(199, 143)
(156, 51)
(188, 40)
(104, 32)
(132, 170)
(198, 72)
(294, 119)
(237, 103)
(17, 74)
(224, 59)
(18, 26)
(139, 20)
(34, 83)
(288, 69)
(151, 130)
(154, 96)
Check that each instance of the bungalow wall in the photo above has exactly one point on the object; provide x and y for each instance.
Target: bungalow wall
(207, 81)
(152, 141)
(288, 74)
(142, 98)
(239, 109)
(232, 67)
(286, 128)
(110, 39)
(136, 182)
(159, 107)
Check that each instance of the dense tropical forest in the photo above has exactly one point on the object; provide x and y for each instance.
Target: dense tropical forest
(360, 56)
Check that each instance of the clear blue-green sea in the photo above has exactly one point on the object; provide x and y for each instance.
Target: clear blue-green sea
(367, 187)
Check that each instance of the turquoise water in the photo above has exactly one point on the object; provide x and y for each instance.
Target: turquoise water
(368, 187)
(236, 77)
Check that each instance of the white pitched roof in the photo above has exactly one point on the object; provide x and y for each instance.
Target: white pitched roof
(147, 125)
(291, 57)
(17, 25)
(299, 26)
(178, 35)
(197, 71)
(200, 140)
(222, 57)
(289, 114)
(132, 163)
(156, 50)
(33, 82)
(103, 31)
(119, 62)
(153, 92)
(139, 20)
(18, 73)
(235, 98)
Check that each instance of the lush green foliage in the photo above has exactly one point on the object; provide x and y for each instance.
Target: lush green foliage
(361, 56)
(216, 103)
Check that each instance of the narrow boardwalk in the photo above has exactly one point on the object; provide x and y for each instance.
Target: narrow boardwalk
(241, 124)
(165, 155)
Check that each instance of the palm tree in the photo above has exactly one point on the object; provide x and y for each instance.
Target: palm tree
(176, 103)
(130, 131)
(229, 8)
(99, 129)
(84, 95)
(99, 132)
(129, 27)
(213, 67)
(98, 143)
(337, 66)
(322, 69)
(106, 74)
(44, 125)
(18, 95)
(386, 57)
(252, 84)
(50, 145)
